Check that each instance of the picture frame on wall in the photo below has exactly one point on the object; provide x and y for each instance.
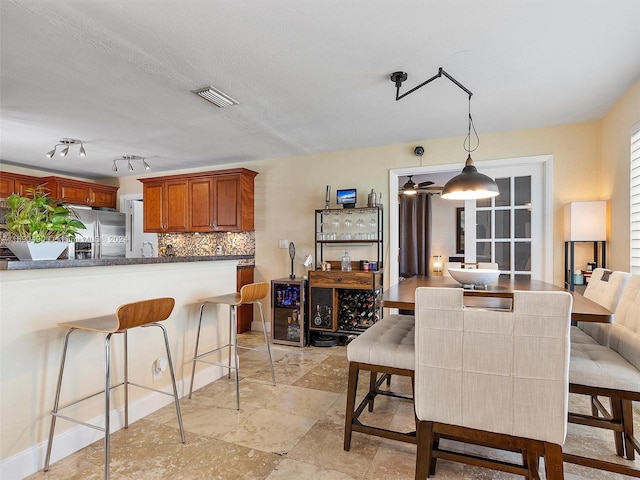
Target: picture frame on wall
(460, 230)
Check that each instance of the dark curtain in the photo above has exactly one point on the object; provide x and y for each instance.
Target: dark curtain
(415, 235)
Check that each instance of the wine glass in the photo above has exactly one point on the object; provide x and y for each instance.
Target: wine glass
(335, 222)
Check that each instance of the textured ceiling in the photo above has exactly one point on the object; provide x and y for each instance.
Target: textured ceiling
(309, 76)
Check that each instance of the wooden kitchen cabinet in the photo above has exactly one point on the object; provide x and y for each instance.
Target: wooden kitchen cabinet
(165, 206)
(244, 313)
(17, 183)
(233, 202)
(77, 192)
(214, 201)
(200, 203)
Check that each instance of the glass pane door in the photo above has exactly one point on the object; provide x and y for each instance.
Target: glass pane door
(508, 227)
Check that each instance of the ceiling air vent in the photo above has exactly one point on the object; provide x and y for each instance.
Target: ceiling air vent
(216, 97)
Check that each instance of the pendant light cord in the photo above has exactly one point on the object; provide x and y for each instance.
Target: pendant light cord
(467, 141)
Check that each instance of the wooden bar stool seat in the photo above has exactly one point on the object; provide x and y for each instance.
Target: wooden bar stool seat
(145, 313)
(249, 294)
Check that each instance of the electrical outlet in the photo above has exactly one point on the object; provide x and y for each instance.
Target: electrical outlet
(283, 243)
(157, 367)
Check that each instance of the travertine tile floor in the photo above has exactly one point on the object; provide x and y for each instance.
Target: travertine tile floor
(291, 431)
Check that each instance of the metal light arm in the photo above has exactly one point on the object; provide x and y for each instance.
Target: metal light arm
(399, 77)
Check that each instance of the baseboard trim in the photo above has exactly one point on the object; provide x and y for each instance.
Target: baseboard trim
(70, 441)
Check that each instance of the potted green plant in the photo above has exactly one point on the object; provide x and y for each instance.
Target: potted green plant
(42, 228)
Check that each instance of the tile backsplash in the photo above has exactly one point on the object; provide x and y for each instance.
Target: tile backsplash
(207, 244)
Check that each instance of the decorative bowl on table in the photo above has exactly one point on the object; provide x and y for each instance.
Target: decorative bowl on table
(475, 277)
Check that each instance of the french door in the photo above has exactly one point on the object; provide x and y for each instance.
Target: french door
(508, 229)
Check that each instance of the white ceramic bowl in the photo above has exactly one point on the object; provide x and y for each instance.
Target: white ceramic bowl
(474, 276)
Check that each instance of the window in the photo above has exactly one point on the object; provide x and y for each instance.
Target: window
(635, 200)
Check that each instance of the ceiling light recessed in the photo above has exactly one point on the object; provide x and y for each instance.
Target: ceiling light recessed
(216, 97)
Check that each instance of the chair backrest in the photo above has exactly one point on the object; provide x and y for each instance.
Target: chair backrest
(498, 371)
(489, 265)
(253, 291)
(448, 265)
(625, 332)
(605, 287)
(135, 314)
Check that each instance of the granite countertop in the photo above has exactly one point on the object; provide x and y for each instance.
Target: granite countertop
(244, 261)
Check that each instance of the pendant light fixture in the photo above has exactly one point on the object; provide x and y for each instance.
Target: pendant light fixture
(469, 184)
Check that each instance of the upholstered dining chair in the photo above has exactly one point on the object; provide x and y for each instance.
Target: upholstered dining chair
(612, 372)
(490, 265)
(605, 287)
(492, 378)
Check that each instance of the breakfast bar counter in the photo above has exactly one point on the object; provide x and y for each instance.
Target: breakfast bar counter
(108, 262)
(34, 302)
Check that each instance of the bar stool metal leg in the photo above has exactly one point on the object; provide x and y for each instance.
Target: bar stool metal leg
(176, 399)
(56, 401)
(236, 357)
(107, 404)
(266, 340)
(126, 380)
(232, 340)
(195, 355)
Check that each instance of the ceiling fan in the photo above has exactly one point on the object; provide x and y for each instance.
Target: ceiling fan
(427, 187)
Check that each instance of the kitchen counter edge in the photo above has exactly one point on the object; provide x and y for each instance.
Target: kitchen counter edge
(244, 260)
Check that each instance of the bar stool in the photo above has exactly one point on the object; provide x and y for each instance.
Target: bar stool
(145, 313)
(251, 293)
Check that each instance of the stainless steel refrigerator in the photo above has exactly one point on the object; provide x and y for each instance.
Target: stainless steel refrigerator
(104, 236)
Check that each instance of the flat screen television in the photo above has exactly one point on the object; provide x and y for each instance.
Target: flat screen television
(347, 197)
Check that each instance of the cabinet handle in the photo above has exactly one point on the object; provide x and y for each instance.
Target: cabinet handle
(338, 279)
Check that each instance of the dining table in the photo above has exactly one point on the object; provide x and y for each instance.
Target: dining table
(498, 294)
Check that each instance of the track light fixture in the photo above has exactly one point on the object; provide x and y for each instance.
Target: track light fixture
(470, 184)
(66, 142)
(130, 158)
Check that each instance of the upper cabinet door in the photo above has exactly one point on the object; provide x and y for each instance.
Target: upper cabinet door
(103, 196)
(17, 183)
(153, 216)
(6, 186)
(176, 206)
(200, 201)
(227, 206)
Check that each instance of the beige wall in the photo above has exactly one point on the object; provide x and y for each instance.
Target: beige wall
(616, 129)
(288, 190)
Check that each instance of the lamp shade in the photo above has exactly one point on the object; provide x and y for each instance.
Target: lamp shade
(585, 221)
(470, 184)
